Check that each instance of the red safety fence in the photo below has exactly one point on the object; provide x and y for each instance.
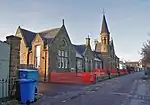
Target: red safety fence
(99, 72)
(72, 77)
(104, 72)
(123, 70)
(113, 72)
(82, 77)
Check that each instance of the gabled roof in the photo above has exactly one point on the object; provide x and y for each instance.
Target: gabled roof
(78, 55)
(48, 35)
(104, 28)
(80, 48)
(28, 36)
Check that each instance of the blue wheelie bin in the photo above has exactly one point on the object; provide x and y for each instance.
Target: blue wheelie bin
(26, 90)
(29, 74)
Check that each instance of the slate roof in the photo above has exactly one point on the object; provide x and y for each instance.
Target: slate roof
(46, 36)
(104, 28)
(78, 55)
(80, 48)
(49, 33)
(28, 36)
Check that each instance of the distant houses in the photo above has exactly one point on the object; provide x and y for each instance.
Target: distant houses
(52, 51)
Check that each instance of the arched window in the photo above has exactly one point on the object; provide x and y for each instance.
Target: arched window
(62, 56)
(86, 64)
(104, 40)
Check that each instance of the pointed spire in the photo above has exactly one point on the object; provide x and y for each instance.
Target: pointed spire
(63, 22)
(103, 11)
(104, 28)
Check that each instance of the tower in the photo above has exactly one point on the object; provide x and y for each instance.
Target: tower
(105, 36)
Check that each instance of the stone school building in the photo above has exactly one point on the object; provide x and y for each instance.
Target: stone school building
(52, 51)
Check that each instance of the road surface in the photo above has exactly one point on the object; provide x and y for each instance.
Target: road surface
(132, 89)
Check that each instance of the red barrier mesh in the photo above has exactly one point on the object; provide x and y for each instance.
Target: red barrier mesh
(72, 77)
(124, 71)
(81, 77)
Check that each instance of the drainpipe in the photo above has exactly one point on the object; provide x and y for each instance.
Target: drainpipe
(76, 65)
(28, 55)
(83, 65)
(45, 65)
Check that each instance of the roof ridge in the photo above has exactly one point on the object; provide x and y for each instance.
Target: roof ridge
(27, 30)
(48, 30)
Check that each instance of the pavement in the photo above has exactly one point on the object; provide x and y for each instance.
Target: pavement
(131, 89)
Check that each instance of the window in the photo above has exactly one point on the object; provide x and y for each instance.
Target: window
(85, 59)
(79, 64)
(62, 59)
(59, 62)
(59, 52)
(66, 62)
(96, 64)
(66, 54)
(62, 62)
(62, 52)
(37, 55)
(86, 64)
(104, 40)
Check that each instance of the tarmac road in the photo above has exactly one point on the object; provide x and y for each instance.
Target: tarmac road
(132, 89)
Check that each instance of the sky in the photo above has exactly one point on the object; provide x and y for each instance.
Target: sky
(128, 20)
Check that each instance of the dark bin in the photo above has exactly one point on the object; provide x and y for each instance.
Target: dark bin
(25, 90)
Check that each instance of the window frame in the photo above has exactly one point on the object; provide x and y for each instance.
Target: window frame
(37, 57)
(63, 56)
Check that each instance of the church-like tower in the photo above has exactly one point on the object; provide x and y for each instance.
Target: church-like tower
(105, 36)
(106, 47)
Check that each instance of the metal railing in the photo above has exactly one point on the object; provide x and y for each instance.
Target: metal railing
(6, 88)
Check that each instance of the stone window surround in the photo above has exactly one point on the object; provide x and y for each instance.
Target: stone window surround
(98, 64)
(63, 59)
(79, 64)
(88, 64)
(35, 55)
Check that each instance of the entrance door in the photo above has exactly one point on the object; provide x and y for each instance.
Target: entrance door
(37, 55)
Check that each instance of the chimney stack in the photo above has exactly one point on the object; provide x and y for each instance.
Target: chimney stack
(88, 41)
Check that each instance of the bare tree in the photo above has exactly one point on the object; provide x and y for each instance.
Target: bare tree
(145, 52)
